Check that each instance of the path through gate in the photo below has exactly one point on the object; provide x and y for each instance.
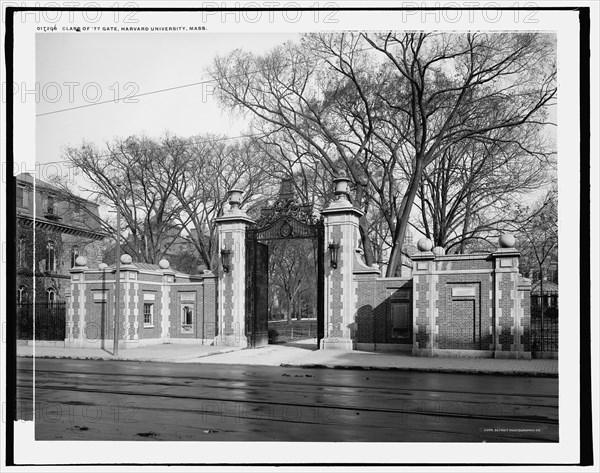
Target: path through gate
(284, 220)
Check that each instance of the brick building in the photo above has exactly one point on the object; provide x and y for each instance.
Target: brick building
(53, 229)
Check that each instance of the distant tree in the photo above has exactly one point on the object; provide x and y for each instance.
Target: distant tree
(537, 236)
(292, 273)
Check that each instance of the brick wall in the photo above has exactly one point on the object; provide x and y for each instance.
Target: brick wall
(92, 298)
(455, 301)
(374, 321)
(421, 312)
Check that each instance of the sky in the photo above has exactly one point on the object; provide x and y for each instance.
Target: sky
(85, 68)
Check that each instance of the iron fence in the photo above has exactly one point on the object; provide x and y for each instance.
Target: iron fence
(49, 320)
(544, 321)
(544, 334)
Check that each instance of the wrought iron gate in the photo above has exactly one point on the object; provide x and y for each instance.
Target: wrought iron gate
(257, 297)
(285, 220)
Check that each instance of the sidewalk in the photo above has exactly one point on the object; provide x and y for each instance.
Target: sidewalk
(303, 355)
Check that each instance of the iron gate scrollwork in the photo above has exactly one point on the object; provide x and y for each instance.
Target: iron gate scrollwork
(284, 220)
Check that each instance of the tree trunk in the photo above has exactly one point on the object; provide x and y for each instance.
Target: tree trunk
(403, 217)
(542, 303)
(466, 224)
(364, 231)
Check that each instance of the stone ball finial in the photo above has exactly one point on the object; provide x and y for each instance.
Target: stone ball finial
(424, 244)
(439, 251)
(80, 261)
(126, 259)
(506, 240)
(164, 264)
(102, 266)
(201, 268)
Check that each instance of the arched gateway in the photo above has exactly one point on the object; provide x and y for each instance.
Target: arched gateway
(243, 278)
(285, 220)
(450, 304)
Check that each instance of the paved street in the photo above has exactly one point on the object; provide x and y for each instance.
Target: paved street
(128, 400)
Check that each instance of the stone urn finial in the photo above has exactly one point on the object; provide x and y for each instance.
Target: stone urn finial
(235, 199)
(126, 259)
(341, 187)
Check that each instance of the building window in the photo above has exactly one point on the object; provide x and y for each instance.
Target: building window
(51, 293)
(76, 211)
(148, 314)
(20, 249)
(50, 205)
(22, 294)
(187, 318)
(22, 200)
(50, 257)
(74, 254)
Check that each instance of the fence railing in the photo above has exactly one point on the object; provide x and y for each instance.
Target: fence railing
(281, 332)
(49, 320)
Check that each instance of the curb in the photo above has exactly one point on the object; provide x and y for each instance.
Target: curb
(120, 358)
(533, 374)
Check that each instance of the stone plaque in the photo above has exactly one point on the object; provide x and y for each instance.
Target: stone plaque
(149, 296)
(506, 263)
(463, 291)
(100, 295)
(187, 296)
(422, 265)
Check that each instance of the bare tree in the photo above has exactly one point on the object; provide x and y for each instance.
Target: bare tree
(171, 190)
(537, 235)
(383, 107)
(456, 87)
(215, 166)
(148, 173)
(472, 190)
(292, 272)
(284, 90)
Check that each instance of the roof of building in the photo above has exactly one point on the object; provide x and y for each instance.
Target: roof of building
(26, 178)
